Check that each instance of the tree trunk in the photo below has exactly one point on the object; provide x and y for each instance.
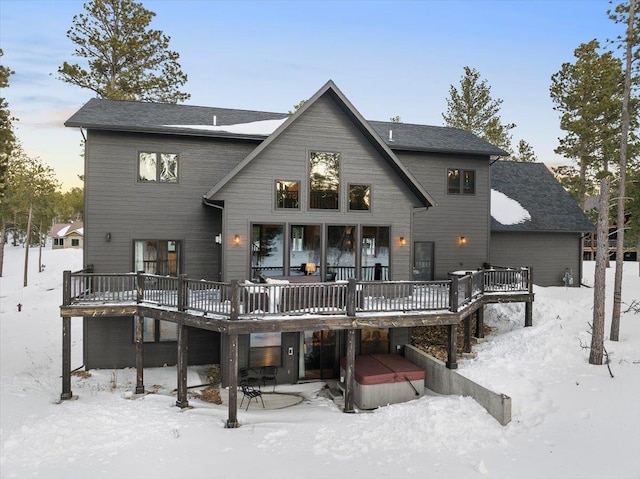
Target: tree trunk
(40, 248)
(617, 287)
(3, 236)
(602, 253)
(26, 251)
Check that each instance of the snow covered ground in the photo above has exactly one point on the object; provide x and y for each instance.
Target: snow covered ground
(570, 419)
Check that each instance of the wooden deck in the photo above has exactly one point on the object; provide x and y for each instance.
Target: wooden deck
(237, 308)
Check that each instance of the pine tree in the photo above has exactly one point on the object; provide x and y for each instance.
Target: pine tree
(124, 58)
(472, 108)
(525, 153)
(588, 94)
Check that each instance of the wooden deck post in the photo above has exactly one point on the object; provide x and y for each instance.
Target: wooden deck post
(452, 346)
(66, 288)
(139, 320)
(232, 421)
(351, 297)
(480, 322)
(467, 333)
(66, 358)
(235, 300)
(453, 294)
(182, 293)
(350, 371)
(528, 307)
(183, 336)
(528, 314)
(139, 286)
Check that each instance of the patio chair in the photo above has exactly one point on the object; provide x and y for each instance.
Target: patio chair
(268, 374)
(250, 393)
(249, 377)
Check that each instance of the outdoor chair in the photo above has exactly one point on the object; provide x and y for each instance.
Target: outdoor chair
(268, 374)
(250, 393)
(249, 377)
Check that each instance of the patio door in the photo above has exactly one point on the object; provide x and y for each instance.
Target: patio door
(319, 357)
(423, 260)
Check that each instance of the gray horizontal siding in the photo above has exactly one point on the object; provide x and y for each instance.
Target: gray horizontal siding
(550, 254)
(109, 343)
(249, 196)
(454, 215)
(116, 203)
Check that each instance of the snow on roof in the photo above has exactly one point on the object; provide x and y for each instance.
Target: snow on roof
(63, 231)
(506, 210)
(262, 127)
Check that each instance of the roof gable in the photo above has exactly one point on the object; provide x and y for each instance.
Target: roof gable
(536, 191)
(362, 125)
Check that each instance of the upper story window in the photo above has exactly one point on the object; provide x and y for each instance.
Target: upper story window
(158, 167)
(359, 197)
(287, 194)
(461, 181)
(324, 180)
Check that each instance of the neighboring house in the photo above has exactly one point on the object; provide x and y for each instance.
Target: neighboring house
(535, 222)
(65, 235)
(223, 195)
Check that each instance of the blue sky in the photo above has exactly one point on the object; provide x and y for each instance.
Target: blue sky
(389, 58)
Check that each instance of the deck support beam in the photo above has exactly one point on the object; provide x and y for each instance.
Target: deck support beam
(528, 314)
(66, 358)
(350, 372)
(467, 333)
(480, 322)
(139, 320)
(232, 421)
(452, 346)
(183, 350)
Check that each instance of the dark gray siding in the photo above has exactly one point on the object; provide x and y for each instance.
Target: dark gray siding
(249, 196)
(110, 344)
(550, 254)
(116, 203)
(454, 215)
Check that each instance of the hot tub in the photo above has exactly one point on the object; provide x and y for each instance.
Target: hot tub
(382, 379)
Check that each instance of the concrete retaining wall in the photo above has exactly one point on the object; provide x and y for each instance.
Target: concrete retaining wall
(448, 381)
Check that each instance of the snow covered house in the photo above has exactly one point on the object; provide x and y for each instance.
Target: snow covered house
(67, 235)
(224, 197)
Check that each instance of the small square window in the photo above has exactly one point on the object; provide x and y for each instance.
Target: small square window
(158, 167)
(461, 181)
(287, 194)
(359, 197)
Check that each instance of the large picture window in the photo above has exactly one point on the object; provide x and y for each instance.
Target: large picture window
(324, 180)
(158, 167)
(305, 249)
(267, 250)
(374, 253)
(461, 182)
(265, 349)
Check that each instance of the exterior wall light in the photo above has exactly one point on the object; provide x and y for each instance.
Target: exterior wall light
(236, 240)
(462, 240)
(403, 241)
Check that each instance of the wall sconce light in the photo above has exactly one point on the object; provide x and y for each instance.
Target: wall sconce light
(236, 240)
(108, 237)
(462, 240)
(403, 241)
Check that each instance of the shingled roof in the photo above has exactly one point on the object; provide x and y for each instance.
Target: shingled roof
(532, 185)
(144, 117)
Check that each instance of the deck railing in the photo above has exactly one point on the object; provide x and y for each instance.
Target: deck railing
(238, 300)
